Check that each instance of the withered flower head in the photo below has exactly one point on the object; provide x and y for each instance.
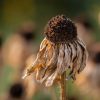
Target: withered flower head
(60, 50)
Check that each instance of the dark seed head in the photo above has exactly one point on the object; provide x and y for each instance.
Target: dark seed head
(60, 29)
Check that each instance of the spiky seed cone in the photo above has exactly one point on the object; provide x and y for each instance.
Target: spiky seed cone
(60, 29)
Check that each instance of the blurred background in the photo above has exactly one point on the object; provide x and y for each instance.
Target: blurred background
(21, 31)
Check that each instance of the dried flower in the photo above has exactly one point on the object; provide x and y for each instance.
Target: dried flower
(60, 50)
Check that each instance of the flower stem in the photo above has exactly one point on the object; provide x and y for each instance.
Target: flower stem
(63, 87)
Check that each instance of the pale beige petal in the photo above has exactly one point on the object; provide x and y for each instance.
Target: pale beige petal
(60, 59)
(51, 79)
(39, 62)
(84, 56)
(66, 57)
(51, 66)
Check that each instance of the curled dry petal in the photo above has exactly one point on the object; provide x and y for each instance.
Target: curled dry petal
(54, 59)
(39, 62)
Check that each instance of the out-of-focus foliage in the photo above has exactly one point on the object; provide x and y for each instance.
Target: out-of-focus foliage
(13, 12)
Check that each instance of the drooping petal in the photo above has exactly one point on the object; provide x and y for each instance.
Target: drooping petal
(51, 79)
(60, 59)
(50, 66)
(84, 55)
(39, 62)
(80, 56)
(66, 61)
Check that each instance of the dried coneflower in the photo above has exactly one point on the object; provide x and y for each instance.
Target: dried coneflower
(60, 50)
